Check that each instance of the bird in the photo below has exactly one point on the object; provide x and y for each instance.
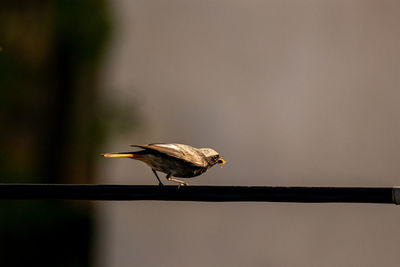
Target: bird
(175, 160)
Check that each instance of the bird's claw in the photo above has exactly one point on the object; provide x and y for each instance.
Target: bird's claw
(182, 184)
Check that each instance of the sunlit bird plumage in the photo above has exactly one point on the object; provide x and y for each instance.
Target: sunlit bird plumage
(175, 160)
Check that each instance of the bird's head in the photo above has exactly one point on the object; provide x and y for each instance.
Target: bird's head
(212, 156)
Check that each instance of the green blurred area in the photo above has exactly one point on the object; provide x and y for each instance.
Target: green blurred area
(51, 128)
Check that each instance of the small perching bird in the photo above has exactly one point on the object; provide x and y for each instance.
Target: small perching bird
(176, 160)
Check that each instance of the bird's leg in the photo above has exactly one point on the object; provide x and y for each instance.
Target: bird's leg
(159, 181)
(169, 178)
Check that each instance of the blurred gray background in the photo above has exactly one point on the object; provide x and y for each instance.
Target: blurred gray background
(290, 93)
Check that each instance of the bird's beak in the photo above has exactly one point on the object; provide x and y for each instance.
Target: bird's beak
(221, 161)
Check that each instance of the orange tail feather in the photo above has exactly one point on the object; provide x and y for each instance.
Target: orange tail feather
(119, 155)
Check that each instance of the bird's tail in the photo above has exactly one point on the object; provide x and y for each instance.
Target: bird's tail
(120, 155)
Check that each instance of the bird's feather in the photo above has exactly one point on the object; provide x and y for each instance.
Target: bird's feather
(184, 152)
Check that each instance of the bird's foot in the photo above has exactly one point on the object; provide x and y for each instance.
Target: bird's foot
(182, 184)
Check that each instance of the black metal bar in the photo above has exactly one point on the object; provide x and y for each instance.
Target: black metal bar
(198, 193)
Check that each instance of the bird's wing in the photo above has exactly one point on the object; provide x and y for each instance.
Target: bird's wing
(179, 151)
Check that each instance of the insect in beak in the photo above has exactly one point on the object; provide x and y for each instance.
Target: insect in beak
(221, 162)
